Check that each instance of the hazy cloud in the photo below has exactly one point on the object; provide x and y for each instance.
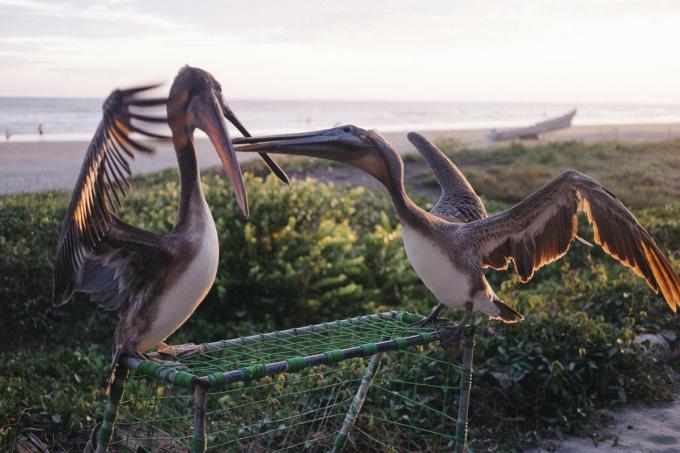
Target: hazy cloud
(564, 50)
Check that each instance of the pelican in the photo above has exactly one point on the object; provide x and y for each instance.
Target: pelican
(154, 282)
(451, 246)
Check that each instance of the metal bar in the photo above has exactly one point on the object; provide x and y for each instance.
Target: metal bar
(172, 374)
(465, 387)
(116, 389)
(199, 443)
(131, 362)
(357, 402)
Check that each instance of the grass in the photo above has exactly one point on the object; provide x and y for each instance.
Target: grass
(314, 252)
(640, 174)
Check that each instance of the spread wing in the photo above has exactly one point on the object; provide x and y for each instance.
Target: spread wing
(102, 183)
(458, 201)
(124, 266)
(541, 228)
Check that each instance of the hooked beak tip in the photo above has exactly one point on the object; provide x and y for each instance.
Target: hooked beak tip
(245, 212)
(273, 166)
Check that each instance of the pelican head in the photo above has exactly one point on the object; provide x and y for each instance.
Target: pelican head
(196, 101)
(362, 149)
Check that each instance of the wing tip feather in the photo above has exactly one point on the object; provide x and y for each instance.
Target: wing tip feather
(665, 278)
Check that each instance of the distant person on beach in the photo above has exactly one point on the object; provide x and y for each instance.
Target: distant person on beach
(41, 132)
(7, 134)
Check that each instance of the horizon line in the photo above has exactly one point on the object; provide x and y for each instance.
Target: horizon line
(395, 101)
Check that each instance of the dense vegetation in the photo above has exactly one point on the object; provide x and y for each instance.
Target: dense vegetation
(314, 252)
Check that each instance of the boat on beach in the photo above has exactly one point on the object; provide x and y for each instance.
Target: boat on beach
(532, 132)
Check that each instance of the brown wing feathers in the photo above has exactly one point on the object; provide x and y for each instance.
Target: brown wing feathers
(530, 252)
(458, 202)
(102, 184)
(619, 234)
(540, 230)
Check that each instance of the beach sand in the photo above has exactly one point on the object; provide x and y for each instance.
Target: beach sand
(36, 166)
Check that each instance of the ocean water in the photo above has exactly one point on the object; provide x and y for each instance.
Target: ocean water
(76, 119)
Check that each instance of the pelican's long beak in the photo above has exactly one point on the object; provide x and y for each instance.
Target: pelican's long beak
(209, 118)
(327, 144)
(273, 166)
(346, 144)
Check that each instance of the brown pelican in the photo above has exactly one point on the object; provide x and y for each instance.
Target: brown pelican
(154, 282)
(450, 247)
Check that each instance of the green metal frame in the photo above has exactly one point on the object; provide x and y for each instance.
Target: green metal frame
(465, 388)
(116, 390)
(357, 402)
(202, 384)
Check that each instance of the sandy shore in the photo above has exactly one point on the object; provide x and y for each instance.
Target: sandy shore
(36, 166)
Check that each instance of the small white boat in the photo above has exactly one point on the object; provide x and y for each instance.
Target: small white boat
(531, 132)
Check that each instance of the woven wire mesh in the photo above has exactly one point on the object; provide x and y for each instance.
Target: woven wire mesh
(276, 346)
(411, 405)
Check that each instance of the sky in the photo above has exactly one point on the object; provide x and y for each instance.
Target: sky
(573, 51)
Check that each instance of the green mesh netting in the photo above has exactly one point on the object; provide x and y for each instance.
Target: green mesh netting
(411, 404)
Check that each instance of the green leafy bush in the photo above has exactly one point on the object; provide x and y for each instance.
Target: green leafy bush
(552, 371)
(29, 227)
(314, 252)
(55, 388)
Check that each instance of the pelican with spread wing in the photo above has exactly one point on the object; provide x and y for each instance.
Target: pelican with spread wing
(451, 246)
(154, 282)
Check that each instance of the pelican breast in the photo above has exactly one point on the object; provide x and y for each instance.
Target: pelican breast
(184, 294)
(449, 283)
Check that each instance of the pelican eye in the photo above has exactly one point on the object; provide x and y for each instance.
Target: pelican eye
(347, 129)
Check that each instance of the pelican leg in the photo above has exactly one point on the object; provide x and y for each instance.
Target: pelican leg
(431, 319)
(450, 336)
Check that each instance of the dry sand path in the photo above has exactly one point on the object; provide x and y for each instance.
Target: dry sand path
(37, 166)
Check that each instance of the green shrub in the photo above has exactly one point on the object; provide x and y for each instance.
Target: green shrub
(552, 371)
(313, 252)
(58, 389)
(29, 227)
(316, 252)
(302, 261)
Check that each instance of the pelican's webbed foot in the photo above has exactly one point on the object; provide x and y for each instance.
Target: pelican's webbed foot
(164, 351)
(156, 357)
(179, 350)
(450, 339)
(432, 319)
